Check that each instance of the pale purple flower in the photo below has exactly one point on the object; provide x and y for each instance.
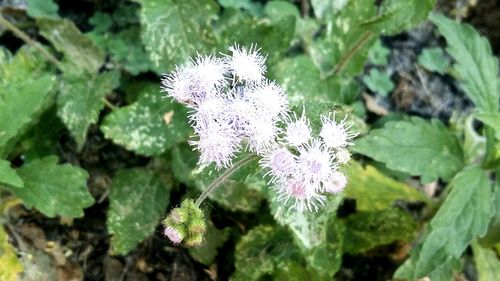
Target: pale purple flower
(279, 162)
(301, 194)
(209, 110)
(217, 143)
(336, 184)
(315, 163)
(248, 65)
(212, 71)
(336, 134)
(185, 86)
(175, 236)
(261, 133)
(298, 131)
(269, 98)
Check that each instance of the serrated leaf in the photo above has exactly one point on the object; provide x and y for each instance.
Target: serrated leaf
(378, 53)
(212, 240)
(375, 191)
(54, 189)
(487, 263)
(434, 59)
(416, 147)
(273, 37)
(492, 120)
(344, 47)
(80, 53)
(396, 16)
(367, 230)
(8, 175)
(138, 200)
(240, 192)
(303, 82)
(81, 100)
(149, 126)
(25, 92)
(266, 249)
(378, 82)
(465, 214)
(174, 30)
(475, 65)
(11, 266)
(42, 9)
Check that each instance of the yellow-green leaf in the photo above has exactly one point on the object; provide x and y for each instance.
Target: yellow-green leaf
(10, 266)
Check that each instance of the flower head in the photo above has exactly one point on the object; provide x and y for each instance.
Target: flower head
(280, 162)
(336, 184)
(315, 164)
(185, 86)
(173, 234)
(270, 98)
(248, 65)
(298, 131)
(212, 71)
(301, 194)
(335, 134)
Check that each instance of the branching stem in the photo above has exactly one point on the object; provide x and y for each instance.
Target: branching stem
(218, 181)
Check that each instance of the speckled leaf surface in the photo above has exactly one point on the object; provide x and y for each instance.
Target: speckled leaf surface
(52, 188)
(81, 100)
(149, 126)
(138, 200)
(174, 30)
(416, 147)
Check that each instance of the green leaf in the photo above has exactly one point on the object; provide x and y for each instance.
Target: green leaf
(252, 7)
(8, 175)
(213, 239)
(241, 192)
(396, 16)
(80, 53)
(303, 82)
(465, 215)
(378, 82)
(101, 22)
(475, 64)
(367, 230)
(416, 147)
(487, 263)
(318, 237)
(149, 126)
(81, 100)
(273, 37)
(138, 200)
(25, 92)
(54, 189)
(11, 266)
(42, 9)
(326, 8)
(279, 9)
(434, 59)
(174, 30)
(261, 251)
(378, 53)
(126, 49)
(492, 120)
(344, 47)
(375, 191)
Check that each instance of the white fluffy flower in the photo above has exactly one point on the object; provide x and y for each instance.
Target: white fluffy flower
(248, 65)
(298, 131)
(342, 156)
(335, 134)
(315, 163)
(280, 163)
(207, 111)
(185, 86)
(336, 184)
(212, 71)
(302, 195)
(269, 98)
(261, 134)
(218, 142)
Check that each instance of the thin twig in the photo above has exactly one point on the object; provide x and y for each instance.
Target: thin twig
(343, 61)
(109, 104)
(218, 181)
(23, 36)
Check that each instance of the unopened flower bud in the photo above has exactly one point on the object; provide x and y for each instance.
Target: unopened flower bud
(194, 240)
(175, 234)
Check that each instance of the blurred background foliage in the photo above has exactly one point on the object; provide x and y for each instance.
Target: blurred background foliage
(92, 155)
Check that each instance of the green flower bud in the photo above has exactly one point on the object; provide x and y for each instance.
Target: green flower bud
(194, 240)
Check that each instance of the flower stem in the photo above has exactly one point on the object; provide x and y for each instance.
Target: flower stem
(23, 36)
(218, 181)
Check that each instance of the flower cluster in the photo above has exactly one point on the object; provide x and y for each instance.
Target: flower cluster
(185, 224)
(233, 107)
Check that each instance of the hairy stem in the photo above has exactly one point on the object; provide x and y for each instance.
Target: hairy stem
(348, 55)
(218, 181)
(23, 36)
